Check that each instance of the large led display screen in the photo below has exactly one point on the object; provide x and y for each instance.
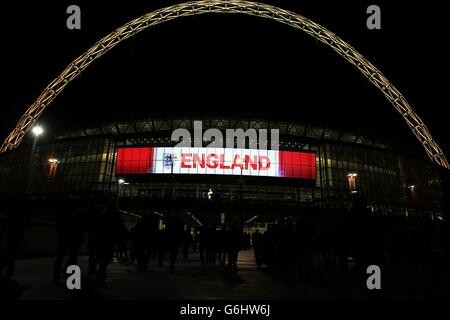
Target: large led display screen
(216, 161)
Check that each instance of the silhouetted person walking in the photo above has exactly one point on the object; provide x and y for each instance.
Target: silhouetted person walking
(163, 243)
(222, 236)
(304, 236)
(70, 235)
(16, 223)
(92, 225)
(256, 238)
(235, 241)
(202, 243)
(107, 228)
(187, 241)
(112, 229)
(146, 238)
(175, 231)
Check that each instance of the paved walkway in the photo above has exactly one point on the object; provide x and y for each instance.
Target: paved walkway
(192, 281)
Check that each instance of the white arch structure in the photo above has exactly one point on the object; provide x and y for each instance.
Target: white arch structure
(292, 19)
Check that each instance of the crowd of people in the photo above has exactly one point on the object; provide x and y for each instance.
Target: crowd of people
(101, 225)
(220, 247)
(146, 242)
(98, 223)
(294, 246)
(361, 238)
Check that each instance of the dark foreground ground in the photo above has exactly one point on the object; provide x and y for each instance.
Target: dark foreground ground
(192, 281)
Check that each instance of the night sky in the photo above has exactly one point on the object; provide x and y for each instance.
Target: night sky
(228, 64)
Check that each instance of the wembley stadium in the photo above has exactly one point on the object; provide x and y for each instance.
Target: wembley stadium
(280, 152)
(323, 168)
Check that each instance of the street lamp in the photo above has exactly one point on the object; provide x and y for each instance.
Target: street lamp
(53, 162)
(412, 189)
(120, 182)
(36, 131)
(352, 182)
(210, 194)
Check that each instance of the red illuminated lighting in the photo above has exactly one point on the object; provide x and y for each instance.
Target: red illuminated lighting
(300, 165)
(134, 161)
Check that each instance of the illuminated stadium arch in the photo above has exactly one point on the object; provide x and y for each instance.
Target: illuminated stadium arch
(297, 21)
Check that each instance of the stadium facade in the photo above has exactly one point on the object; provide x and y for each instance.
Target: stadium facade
(85, 162)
